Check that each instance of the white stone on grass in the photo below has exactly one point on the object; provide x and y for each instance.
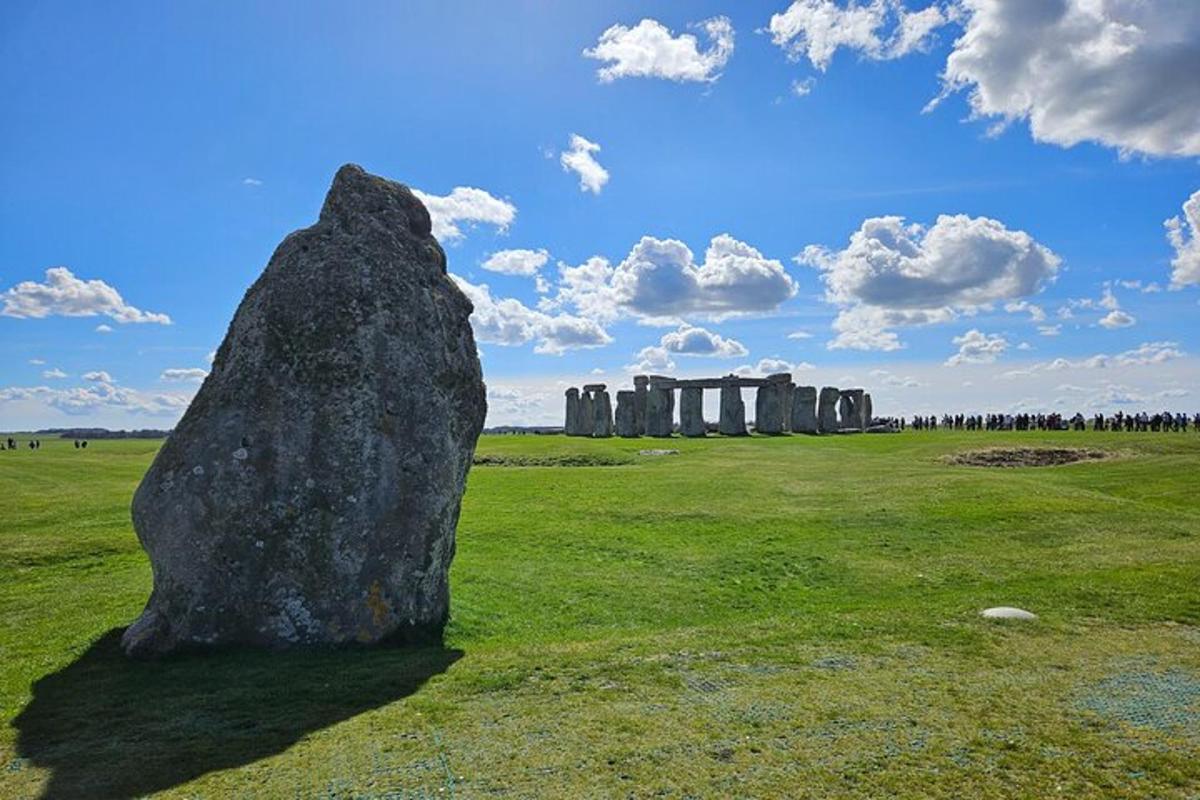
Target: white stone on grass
(1007, 612)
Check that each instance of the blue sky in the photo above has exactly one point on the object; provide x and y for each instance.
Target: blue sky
(166, 150)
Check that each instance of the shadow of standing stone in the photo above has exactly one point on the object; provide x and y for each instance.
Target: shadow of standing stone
(109, 727)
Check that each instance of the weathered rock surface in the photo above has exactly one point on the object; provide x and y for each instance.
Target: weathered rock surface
(827, 408)
(769, 404)
(660, 412)
(311, 491)
(733, 412)
(587, 414)
(626, 414)
(804, 409)
(602, 424)
(571, 424)
(691, 412)
(641, 384)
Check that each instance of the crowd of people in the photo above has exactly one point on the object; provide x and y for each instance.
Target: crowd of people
(1164, 421)
(36, 444)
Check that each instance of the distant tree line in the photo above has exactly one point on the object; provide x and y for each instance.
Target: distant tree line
(103, 433)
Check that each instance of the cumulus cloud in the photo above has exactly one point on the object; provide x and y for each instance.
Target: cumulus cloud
(580, 158)
(251, 182)
(1146, 354)
(1183, 232)
(650, 50)
(879, 30)
(466, 205)
(98, 376)
(772, 366)
(65, 295)
(693, 341)
(37, 362)
(54, 373)
(1049, 330)
(893, 274)
(1117, 319)
(190, 374)
(1036, 313)
(651, 359)
(102, 328)
(799, 335)
(659, 282)
(87, 400)
(517, 262)
(1121, 73)
(886, 378)
(508, 321)
(976, 347)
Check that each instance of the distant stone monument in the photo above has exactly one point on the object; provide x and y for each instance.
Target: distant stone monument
(660, 412)
(311, 491)
(733, 410)
(626, 421)
(571, 424)
(691, 412)
(769, 404)
(804, 409)
(602, 424)
(827, 410)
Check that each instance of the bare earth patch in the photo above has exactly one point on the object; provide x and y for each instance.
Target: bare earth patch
(1025, 456)
(568, 460)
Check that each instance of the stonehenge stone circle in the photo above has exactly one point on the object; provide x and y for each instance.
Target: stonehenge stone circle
(768, 408)
(602, 406)
(868, 413)
(626, 421)
(311, 491)
(851, 407)
(827, 408)
(733, 411)
(804, 409)
(587, 414)
(691, 412)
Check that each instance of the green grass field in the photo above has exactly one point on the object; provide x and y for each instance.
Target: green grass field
(763, 617)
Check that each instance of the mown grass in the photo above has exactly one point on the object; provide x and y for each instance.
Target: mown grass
(760, 617)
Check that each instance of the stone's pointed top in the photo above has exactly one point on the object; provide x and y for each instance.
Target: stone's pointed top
(356, 194)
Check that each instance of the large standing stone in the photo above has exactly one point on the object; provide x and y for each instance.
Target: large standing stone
(851, 409)
(804, 409)
(571, 425)
(691, 412)
(789, 391)
(626, 421)
(602, 426)
(769, 404)
(827, 408)
(660, 407)
(733, 411)
(587, 413)
(641, 384)
(868, 413)
(311, 491)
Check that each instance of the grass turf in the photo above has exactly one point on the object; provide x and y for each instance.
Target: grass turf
(759, 617)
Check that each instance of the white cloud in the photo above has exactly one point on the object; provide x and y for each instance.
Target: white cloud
(192, 374)
(651, 359)
(1117, 319)
(1049, 330)
(53, 373)
(886, 378)
(99, 376)
(65, 295)
(468, 205)
(516, 262)
(799, 335)
(803, 88)
(879, 30)
(772, 366)
(508, 321)
(1036, 313)
(1183, 232)
(580, 159)
(1121, 73)
(102, 328)
(649, 50)
(892, 274)
(1146, 354)
(37, 362)
(251, 182)
(659, 282)
(976, 347)
(90, 400)
(693, 341)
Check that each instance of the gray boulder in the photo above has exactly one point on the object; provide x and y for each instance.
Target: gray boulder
(804, 409)
(626, 419)
(311, 491)
(733, 411)
(827, 409)
(691, 412)
(602, 425)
